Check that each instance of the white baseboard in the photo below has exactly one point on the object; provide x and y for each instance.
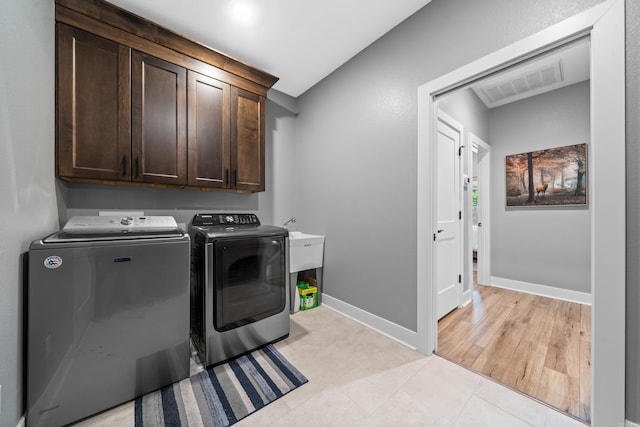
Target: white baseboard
(542, 290)
(631, 424)
(392, 330)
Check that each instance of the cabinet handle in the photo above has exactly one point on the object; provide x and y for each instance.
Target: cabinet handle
(137, 167)
(226, 176)
(124, 165)
(235, 178)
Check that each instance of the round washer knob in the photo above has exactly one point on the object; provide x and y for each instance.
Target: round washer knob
(126, 220)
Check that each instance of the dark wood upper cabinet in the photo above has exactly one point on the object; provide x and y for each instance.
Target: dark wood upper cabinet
(208, 131)
(141, 104)
(247, 140)
(93, 107)
(159, 120)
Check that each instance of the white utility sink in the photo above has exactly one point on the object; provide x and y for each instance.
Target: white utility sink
(305, 251)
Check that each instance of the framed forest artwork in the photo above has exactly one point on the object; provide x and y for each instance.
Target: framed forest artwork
(551, 177)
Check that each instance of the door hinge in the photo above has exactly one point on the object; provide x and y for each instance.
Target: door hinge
(460, 150)
(459, 214)
(459, 278)
(434, 237)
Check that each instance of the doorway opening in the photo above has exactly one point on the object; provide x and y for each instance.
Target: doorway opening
(605, 25)
(539, 346)
(522, 336)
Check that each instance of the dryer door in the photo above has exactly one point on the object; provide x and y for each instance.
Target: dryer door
(249, 280)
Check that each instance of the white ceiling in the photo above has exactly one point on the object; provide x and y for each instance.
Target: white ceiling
(300, 41)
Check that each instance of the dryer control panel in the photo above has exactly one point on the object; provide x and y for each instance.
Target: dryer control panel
(225, 219)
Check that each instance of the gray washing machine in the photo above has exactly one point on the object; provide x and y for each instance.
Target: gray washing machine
(107, 315)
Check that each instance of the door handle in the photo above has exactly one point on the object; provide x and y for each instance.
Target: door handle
(226, 176)
(479, 224)
(440, 231)
(124, 165)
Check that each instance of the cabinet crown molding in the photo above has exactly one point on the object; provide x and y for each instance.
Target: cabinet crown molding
(114, 16)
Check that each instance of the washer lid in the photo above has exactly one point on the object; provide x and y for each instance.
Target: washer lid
(110, 228)
(101, 225)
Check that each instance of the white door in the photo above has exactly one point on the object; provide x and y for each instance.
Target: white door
(447, 236)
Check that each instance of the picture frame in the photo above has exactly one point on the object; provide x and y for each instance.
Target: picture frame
(551, 177)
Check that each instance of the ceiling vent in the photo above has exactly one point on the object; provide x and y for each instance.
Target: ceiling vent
(520, 84)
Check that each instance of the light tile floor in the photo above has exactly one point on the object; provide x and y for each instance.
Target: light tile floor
(358, 377)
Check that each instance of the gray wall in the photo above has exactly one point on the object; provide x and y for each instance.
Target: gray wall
(633, 210)
(27, 194)
(552, 247)
(465, 106)
(281, 163)
(356, 137)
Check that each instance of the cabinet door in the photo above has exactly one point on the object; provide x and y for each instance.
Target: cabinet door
(208, 132)
(93, 107)
(247, 140)
(159, 120)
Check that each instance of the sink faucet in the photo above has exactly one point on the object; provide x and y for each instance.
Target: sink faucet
(291, 221)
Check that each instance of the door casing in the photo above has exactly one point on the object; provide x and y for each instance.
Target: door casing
(484, 207)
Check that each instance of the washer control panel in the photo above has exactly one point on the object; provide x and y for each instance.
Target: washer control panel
(224, 219)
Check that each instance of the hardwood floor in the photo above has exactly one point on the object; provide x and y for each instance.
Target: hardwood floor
(539, 346)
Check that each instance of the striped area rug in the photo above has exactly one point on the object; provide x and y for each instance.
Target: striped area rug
(222, 395)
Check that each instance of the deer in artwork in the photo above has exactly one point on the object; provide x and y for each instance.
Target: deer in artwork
(542, 189)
